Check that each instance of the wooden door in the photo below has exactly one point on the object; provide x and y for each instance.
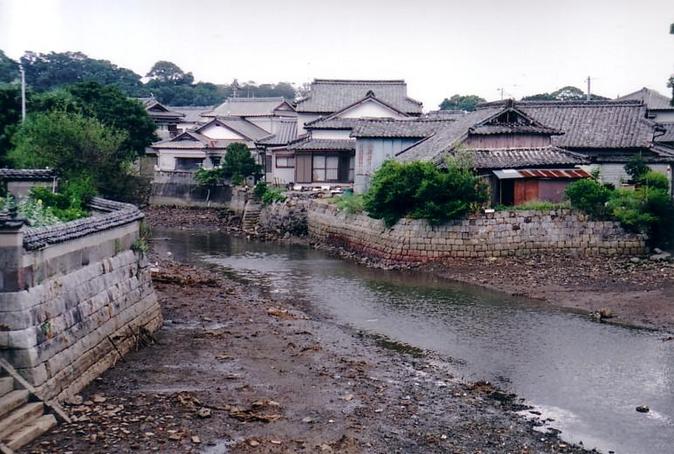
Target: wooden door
(303, 168)
(526, 190)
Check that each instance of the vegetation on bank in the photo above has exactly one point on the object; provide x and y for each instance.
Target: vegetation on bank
(268, 195)
(237, 165)
(648, 208)
(91, 135)
(44, 207)
(422, 190)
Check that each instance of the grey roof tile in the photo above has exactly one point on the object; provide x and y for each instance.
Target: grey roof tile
(331, 95)
(653, 99)
(307, 143)
(517, 158)
(27, 174)
(247, 107)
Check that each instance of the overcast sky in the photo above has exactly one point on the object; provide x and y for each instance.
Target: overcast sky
(440, 47)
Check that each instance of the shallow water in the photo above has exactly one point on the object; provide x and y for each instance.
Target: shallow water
(588, 376)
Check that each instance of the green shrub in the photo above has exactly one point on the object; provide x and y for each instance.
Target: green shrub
(589, 196)
(260, 188)
(273, 195)
(654, 180)
(534, 205)
(628, 207)
(636, 168)
(237, 165)
(423, 191)
(350, 203)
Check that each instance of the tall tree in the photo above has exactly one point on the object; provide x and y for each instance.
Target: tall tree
(166, 72)
(459, 102)
(568, 93)
(9, 69)
(53, 70)
(10, 115)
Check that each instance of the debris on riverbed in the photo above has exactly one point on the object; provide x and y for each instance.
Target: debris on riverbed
(250, 378)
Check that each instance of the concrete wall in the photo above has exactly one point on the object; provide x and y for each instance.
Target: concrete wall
(509, 233)
(180, 189)
(74, 298)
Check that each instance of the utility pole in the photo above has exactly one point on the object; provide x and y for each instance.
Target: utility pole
(23, 93)
(501, 90)
(589, 96)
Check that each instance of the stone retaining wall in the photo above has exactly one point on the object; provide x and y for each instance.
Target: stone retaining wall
(74, 298)
(506, 233)
(180, 189)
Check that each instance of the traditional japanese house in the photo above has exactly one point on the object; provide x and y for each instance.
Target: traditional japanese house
(323, 152)
(167, 120)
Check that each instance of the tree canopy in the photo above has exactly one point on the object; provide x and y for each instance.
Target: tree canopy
(9, 69)
(568, 93)
(57, 69)
(167, 82)
(459, 102)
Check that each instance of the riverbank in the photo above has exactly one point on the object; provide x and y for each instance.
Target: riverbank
(234, 371)
(634, 291)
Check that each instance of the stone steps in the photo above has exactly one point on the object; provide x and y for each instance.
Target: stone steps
(23, 415)
(30, 431)
(251, 216)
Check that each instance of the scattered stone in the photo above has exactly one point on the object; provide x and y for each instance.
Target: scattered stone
(204, 412)
(252, 442)
(643, 409)
(98, 398)
(635, 260)
(196, 440)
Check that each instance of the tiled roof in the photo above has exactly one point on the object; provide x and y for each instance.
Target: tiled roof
(240, 125)
(116, 214)
(514, 158)
(446, 137)
(247, 107)
(192, 114)
(668, 136)
(652, 99)
(332, 123)
(309, 144)
(328, 95)
(592, 124)
(27, 174)
(191, 140)
(286, 132)
(387, 128)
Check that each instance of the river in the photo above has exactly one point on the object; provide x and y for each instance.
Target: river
(588, 377)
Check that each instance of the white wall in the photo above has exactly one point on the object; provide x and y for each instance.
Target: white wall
(330, 134)
(216, 131)
(282, 175)
(370, 109)
(304, 118)
(167, 158)
(664, 117)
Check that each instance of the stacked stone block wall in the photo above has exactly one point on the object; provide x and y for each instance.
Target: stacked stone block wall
(499, 234)
(81, 304)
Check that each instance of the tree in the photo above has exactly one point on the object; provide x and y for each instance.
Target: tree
(47, 71)
(458, 102)
(110, 106)
(9, 69)
(78, 148)
(567, 93)
(166, 72)
(670, 84)
(237, 165)
(10, 115)
(423, 191)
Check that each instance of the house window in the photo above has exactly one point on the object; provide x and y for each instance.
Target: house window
(285, 162)
(215, 160)
(326, 168)
(267, 163)
(352, 166)
(189, 164)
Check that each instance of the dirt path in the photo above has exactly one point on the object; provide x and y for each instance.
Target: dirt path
(231, 372)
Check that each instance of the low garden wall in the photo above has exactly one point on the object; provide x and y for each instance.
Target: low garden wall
(180, 189)
(499, 234)
(74, 297)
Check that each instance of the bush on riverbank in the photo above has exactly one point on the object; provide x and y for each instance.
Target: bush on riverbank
(647, 209)
(421, 190)
(268, 195)
(350, 203)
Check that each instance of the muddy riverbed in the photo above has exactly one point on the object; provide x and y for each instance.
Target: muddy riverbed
(240, 367)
